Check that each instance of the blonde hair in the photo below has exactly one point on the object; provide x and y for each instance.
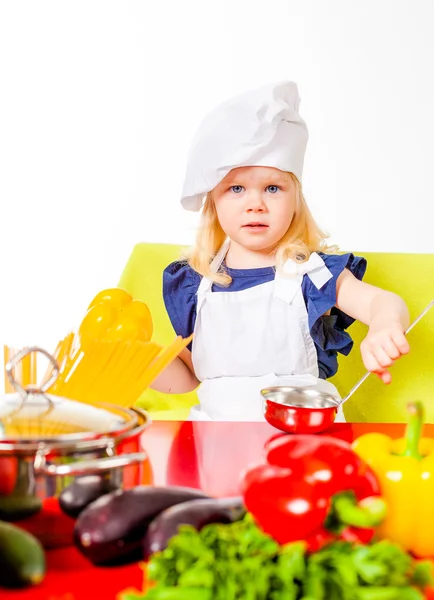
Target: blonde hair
(302, 238)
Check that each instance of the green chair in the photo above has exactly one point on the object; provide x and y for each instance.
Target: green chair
(409, 275)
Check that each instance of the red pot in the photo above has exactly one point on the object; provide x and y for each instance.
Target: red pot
(299, 409)
(47, 442)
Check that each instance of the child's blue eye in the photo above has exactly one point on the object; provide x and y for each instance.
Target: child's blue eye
(236, 189)
(273, 189)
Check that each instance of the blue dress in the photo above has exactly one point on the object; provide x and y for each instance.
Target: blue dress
(180, 284)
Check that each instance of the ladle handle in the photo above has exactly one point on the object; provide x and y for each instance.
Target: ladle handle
(366, 375)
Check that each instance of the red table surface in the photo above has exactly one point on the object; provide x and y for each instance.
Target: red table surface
(206, 455)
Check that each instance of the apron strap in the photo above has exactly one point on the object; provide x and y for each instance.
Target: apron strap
(206, 283)
(289, 279)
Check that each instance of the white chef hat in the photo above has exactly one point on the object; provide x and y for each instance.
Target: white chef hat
(258, 128)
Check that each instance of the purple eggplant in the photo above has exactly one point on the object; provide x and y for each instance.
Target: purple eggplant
(111, 529)
(197, 513)
(82, 492)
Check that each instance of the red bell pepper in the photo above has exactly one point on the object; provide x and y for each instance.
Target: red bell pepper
(429, 592)
(313, 488)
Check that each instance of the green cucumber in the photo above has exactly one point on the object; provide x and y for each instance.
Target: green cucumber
(22, 558)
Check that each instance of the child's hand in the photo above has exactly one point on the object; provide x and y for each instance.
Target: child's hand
(383, 345)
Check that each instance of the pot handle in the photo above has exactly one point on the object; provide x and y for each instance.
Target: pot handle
(86, 467)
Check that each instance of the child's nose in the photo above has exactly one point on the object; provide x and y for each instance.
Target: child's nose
(255, 200)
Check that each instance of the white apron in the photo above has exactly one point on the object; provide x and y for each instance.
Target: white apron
(255, 338)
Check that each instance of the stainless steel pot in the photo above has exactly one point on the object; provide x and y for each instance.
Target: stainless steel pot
(47, 442)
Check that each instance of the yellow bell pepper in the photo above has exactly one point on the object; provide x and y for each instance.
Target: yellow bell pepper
(405, 470)
(113, 315)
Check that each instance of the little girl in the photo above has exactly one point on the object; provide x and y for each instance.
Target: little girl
(267, 300)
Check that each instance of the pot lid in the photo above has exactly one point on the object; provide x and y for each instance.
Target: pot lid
(31, 415)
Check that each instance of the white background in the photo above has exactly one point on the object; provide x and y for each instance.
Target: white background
(99, 101)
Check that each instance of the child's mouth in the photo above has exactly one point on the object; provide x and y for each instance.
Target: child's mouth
(255, 227)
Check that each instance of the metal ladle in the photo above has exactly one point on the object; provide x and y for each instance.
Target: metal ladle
(297, 409)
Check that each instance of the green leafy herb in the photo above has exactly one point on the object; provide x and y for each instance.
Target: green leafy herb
(238, 561)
